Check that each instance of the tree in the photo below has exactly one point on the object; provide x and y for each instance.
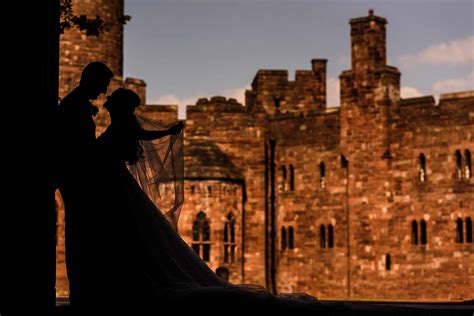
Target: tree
(91, 26)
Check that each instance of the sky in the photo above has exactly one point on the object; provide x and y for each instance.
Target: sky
(187, 49)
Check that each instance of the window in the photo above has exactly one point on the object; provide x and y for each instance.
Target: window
(277, 104)
(322, 236)
(344, 162)
(423, 238)
(459, 231)
(201, 236)
(292, 178)
(322, 175)
(468, 230)
(326, 240)
(283, 238)
(468, 166)
(229, 239)
(330, 236)
(388, 262)
(422, 168)
(458, 164)
(291, 238)
(414, 232)
(283, 177)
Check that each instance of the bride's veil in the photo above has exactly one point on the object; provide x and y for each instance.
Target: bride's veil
(160, 170)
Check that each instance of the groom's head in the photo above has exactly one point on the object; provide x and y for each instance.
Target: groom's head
(95, 79)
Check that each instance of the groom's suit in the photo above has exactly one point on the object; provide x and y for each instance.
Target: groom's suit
(76, 142)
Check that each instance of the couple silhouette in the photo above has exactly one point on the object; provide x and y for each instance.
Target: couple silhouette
(123, 252)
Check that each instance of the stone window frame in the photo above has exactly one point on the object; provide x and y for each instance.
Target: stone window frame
(458, 171)
(229, 240)
(291, 237)
(422, 168)
(326, 236)
(291, 181)
(200, 244)
(464, 236)
(467, 164)
(419, 232)
(283, 238)
(322, 175)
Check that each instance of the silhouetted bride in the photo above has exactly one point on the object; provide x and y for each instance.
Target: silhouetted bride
(142, 262)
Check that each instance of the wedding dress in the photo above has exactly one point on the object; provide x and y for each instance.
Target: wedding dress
(142, 261)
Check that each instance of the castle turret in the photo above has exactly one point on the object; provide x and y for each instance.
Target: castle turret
(368, 43)
(77, 49)
(370, 92)
(273, 93)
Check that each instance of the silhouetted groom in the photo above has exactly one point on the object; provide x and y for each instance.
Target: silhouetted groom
(76, 145)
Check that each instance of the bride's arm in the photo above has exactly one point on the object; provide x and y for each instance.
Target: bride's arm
(151, 135)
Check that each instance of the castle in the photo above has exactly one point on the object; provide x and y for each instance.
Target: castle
(370, 200)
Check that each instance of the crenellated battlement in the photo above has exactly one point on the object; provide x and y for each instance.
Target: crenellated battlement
(216, 104)
(273, 92)
(424, 101)
(165, 113)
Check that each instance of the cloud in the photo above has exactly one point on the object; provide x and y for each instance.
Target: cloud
(409, 92)
(343, 61)
(333, 92)
(238, 94)
(182, 102)
(456, 52)
(454, 85)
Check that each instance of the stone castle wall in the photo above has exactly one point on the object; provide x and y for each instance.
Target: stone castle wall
(347, 184)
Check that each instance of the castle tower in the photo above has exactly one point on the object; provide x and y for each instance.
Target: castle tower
(77, 49)
(370, 93)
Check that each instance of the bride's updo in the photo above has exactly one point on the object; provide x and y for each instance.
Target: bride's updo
(121, 105)
(122, 100)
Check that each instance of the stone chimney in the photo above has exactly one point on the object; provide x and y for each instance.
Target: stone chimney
(318, 67)
(368, 43)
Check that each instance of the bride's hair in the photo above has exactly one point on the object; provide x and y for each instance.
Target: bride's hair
(122, 99)
(122, 102)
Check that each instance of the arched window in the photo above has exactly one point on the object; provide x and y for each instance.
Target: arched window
(344, 162)
(283, 238)
(283, 177)
(330, 236)
(291, 238)
(458, 164)
(388, 262)
(423, 238)
(229, 239)
(201, 243)
(468, 230)
(422, 168)
(322, 175)
(414, 233)
(459, 231)
(277, 104)
(322, 236)
(292, 178)
(468, 166)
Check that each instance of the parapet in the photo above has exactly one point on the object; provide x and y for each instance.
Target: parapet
(164, 112)
(274, 92)
(419, 101)
(216, 104)
(456, 96)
